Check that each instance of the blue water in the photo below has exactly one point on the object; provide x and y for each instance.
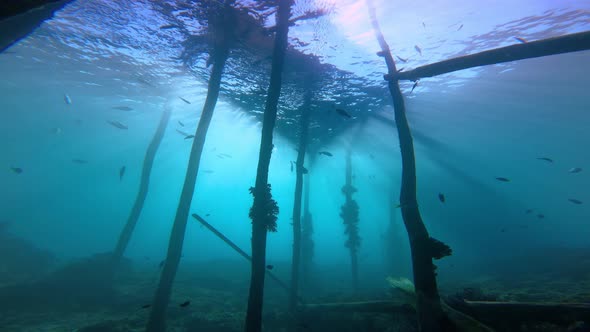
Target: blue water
(469, 128)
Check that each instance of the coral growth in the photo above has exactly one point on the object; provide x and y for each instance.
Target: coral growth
(265, 209)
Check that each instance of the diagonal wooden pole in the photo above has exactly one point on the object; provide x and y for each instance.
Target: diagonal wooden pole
(563, 44)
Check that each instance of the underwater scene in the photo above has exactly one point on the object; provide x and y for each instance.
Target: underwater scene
(294, 165)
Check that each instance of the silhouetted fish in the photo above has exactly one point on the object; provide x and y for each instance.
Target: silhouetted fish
(17, 170)
(162, 263)
(189, 136)
(291, 167)
(270, 267)
(123, 108)
(441, 197)
(168, 26)
(121, 172)
(80, 161)
(414, 86)
(522, 40)
(418, 49)
(575, 201)
(545, 159)
(502, 179)
(117, 124)
(208, 171)
(460, 27)
(326, 153)
(575, 170)
(304, 170)
(208, 214)
(540, 216)
(186, 101)
(180, 123)
(145, 306)
(423, 25)
(529, 211)
(343, 113)
(401, 59)
(67, 99)
(185, 304)
(226, 155)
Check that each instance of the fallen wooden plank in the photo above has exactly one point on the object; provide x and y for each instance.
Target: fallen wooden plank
(365, 306)
(563, 44)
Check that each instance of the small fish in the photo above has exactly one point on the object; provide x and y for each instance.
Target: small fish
(168, 26)
(226, 155)
(326, 153)
(145, 306)
(185, 304)
(529, 211)
(117, 124)
(460, 27)
(208, 171)
(503, 230)
(418, 49)
(17, 170)
(123, 108)
(304, 170)
(549, 160)
(270, 267)
(80, 161)
(291, 167)
(502, 179)
(575, 201)
(208, 214)
(401, 59)
(540, 216)
(441, 197)
(186, 101)
(522, 40)
(121, 173)
(423, 25)
(161, 265)
(343, 113)
(414, 86)
(189, 136)
(575, 170)
(67, 99)
(180, 123)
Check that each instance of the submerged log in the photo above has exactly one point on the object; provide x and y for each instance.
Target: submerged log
(364, 306)
(563, 44)
(239, 250)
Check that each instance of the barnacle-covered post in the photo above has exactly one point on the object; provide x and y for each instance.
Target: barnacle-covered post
(349, 213)
(264, 210)
(221, 23)
(300, 171)
(431, 317)
(148, 162)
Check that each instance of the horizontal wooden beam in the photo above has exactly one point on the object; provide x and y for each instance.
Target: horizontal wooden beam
(564, 44)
